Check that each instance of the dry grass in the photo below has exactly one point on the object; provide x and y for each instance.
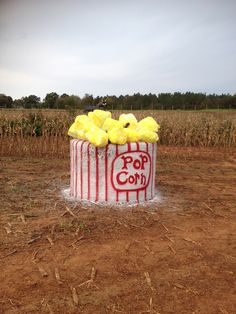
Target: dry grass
(44, 133)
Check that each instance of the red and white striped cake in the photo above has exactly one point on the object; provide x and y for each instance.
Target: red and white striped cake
(113, 174)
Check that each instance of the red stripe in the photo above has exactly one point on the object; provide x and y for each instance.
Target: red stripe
(147, 186)
(137, 195)
(97, 175)
(88, 171)
(117, 193)
(129, 147)
(76, 165)
(106, 173)
(81, 170)
(127, 193)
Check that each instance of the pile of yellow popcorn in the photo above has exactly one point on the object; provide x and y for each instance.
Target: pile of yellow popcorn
(99, 129)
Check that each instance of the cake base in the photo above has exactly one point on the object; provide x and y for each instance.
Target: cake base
(114, 174)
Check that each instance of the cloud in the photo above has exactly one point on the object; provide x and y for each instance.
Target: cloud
(117, 46)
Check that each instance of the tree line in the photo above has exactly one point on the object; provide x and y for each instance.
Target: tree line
(162, 101)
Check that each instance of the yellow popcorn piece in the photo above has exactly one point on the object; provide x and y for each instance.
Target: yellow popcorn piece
(89, 126)
(110, 123)
(75, 133)
(95, 120)
(146, 135)
(97, 137)
(82, 121)
(132, 135)
(117, 136)
(149, 123)
(72, 130)
(81, 135)
(99, 116)
(128, 120)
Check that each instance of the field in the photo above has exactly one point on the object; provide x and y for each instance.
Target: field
(44, 133)
(175, 255)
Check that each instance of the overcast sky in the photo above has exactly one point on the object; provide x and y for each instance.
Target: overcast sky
(117, 47)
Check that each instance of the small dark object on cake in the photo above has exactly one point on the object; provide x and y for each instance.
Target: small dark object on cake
(101, 105)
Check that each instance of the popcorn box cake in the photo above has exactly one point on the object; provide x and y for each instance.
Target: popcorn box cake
(113, 174)
(113, 161)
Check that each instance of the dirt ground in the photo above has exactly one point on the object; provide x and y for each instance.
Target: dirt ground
(177, 255)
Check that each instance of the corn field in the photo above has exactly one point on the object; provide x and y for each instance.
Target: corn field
(44, 133)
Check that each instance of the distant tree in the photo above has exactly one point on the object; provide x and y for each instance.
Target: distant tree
(31, 101)
(61, 102)
(18, 103)
(127, 103)
(174, 101)
(112, 102)
(120, 103)
(153, 101)
(68, 102)
(73, 102)
(147, 101)
(86, 100)
(97, 100)
(177, 101)
(50, 100)
(232, 102)
(164, 100)
(64, 95)
(6, 101)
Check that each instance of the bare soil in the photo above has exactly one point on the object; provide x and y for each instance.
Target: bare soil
(174, 256)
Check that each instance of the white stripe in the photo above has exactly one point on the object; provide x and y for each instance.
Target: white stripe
(133, 194)
(154, 172)
(122, 195)
(84, 170)
(102, 179)
(92, 173)
(74, 157)
(111, 155)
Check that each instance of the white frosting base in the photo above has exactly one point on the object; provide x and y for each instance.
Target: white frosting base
(114, 174)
